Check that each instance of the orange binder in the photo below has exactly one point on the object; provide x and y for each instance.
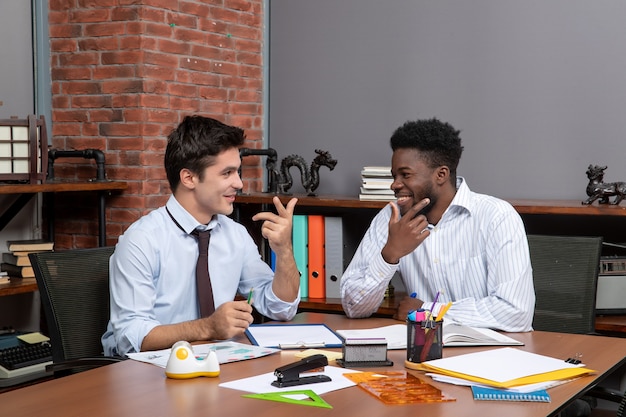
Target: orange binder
(317, 275)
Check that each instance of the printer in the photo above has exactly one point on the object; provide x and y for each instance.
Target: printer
(611, 290)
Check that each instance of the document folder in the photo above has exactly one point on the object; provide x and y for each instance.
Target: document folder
(293, 336)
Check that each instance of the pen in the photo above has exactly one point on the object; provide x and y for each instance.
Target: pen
(250, 296)
(432, 307)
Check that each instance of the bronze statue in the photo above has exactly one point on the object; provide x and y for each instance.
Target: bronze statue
(601, 191)
(310, 178)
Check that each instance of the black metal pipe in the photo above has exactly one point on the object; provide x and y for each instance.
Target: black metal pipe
(95, 154)
(270, 165)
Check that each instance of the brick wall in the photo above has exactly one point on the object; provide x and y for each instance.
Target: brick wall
(124, 73)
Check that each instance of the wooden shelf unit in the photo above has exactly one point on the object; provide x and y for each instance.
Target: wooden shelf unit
(557, 207)
(366, 210)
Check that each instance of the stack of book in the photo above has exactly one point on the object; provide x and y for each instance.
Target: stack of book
(16, 262)
(376, 183)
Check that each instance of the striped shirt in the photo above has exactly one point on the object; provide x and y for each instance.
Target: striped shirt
(477, 256)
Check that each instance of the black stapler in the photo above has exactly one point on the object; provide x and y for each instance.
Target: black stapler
(289, 375)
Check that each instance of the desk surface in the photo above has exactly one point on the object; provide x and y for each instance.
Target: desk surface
(130, 388)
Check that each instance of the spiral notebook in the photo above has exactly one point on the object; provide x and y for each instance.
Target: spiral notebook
(495, 394)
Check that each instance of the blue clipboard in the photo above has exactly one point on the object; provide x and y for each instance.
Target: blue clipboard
(293, 336)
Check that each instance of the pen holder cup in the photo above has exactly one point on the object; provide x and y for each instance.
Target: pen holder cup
(424, 341)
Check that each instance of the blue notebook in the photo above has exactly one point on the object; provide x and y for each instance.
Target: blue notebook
(497, 394)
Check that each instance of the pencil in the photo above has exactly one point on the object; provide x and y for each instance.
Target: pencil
(250, 296)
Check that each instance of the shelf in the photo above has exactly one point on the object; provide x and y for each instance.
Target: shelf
(566, 207)
(557, 207)
(61, 186)
(17, 286)
(333, 305)
(308, 201)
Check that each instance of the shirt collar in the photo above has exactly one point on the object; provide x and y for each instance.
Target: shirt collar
(185, 219)
(462, 199)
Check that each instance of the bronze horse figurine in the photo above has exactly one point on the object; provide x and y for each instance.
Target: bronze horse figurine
(310, 177)
(601, 191)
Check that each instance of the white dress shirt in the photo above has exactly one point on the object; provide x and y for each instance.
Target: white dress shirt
(476, 256)
(153, 275)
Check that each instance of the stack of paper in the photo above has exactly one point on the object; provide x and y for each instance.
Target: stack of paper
(505, 368)
(376, 183)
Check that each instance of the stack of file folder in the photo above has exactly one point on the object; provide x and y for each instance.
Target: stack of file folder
(505, 372)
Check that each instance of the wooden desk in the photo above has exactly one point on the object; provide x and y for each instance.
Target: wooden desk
(130, 388)
(26, 191)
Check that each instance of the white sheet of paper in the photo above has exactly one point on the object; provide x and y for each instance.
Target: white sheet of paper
(306, 335)
(226, 352)
(263, 383)
(501, 365)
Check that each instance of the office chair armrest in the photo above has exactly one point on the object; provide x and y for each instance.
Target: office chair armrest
(76, 363)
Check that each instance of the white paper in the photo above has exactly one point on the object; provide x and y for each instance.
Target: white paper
(521, 388)
(263, 383)
(474, 336)
(226, 352)
(501, 365)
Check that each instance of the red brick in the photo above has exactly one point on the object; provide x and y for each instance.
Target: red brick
(90, 15)
(92, 101)
(252, 46)
(91, 4)
(136, 42)
(70, 116)
(124, 14)
(81, 87)
(121, 57)
(158, 29)
(194, 8)
(66, 31)
(191, 105)
(59, 74)
(152, 14)
(190, 35)
(63, 45)
(122, 86)
(84, 143)
(103, 29)
(115, 71)
(213, 93)
(164, 60)
(224, 15)
(169, 46)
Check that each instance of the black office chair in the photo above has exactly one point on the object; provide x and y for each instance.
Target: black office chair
(74, 288)
(565, 274)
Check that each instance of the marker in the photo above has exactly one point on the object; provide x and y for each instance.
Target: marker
(250, 296)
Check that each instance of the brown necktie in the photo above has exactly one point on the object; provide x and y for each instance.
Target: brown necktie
(203, 280)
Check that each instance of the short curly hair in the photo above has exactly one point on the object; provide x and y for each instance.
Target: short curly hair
(438, 142)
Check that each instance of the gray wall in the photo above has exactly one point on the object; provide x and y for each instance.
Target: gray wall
(16, 65)
(537, 88)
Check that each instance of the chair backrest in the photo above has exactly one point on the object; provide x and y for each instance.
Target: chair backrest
(565, 274)
(74, 288)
